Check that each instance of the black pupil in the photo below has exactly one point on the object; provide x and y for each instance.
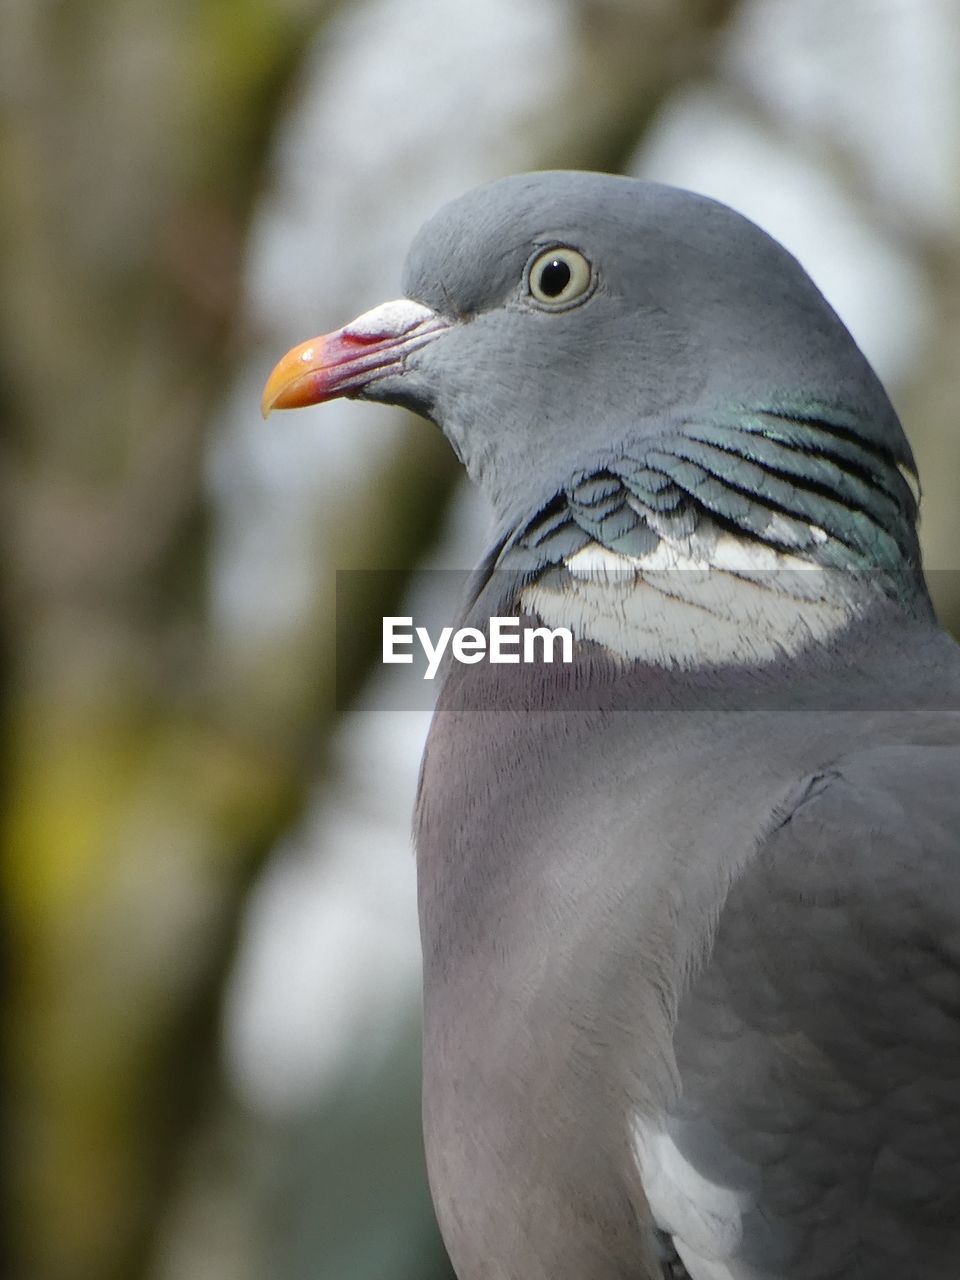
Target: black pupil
(554, 278)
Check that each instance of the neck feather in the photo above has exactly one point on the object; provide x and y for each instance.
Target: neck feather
(739, 541)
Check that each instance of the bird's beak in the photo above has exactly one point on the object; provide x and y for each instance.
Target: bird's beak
(346, 361)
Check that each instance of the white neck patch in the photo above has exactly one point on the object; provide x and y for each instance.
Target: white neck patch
(711, 599)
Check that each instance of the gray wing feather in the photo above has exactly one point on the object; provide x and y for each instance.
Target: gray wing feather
(819, 1049)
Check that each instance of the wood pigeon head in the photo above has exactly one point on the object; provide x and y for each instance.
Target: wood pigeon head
(556, 321)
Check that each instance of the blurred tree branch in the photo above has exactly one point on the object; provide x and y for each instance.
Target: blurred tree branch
(131, 141)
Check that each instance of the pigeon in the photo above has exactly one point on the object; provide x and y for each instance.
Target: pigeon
(689, 900)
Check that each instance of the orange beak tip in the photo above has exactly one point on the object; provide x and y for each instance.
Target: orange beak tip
(285, 387)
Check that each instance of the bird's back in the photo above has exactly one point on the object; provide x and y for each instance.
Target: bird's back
(818, 1051)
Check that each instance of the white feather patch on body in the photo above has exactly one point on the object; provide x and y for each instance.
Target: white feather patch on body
(704, 1218)
(704, 599)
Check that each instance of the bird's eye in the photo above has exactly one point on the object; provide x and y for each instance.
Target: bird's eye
(559, 276)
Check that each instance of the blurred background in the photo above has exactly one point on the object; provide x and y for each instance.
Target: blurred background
(210, 953)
